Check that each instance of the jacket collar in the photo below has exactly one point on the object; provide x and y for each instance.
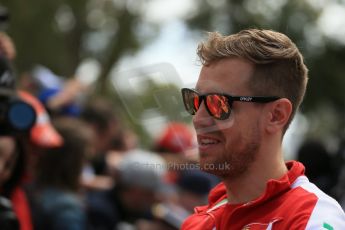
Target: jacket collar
(273, 187)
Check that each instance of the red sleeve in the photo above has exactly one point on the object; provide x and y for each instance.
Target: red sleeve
(21, 208)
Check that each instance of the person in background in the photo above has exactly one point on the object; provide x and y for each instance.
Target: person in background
(100, 116)
(29, 147)
(249, 88)
(124, 141)
(192, 189)
(59, 96)
(188, 187)
(14, 137)
(176, 137)
(14, 207)
(339, 188)
(55, 196)
(318, 165)
(42, 136)
(138, 182)
(176, 143)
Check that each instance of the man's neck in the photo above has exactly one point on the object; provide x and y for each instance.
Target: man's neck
(252, 184)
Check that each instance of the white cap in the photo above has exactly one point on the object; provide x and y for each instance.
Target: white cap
(142, 168)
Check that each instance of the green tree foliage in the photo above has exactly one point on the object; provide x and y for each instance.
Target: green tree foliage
(60, 33)
(298, 19)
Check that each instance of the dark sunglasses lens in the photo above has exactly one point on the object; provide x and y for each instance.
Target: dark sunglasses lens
(21, 116)
(218, 106)
(191, 101)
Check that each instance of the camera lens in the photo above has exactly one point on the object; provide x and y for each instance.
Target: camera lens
(21, 116)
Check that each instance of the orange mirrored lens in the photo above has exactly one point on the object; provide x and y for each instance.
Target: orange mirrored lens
(196, 103)
(218, 105)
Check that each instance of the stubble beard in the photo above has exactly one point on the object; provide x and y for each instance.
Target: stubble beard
(234, 163)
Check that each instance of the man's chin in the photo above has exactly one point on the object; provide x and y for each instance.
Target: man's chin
(211, 166)
(223, 170)
(205, 160)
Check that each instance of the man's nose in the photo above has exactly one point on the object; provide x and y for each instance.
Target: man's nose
(202, 118)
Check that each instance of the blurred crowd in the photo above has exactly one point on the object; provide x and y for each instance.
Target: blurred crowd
(79, 167)
(76, 165)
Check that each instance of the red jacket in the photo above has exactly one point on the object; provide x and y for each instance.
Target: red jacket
(291, 203)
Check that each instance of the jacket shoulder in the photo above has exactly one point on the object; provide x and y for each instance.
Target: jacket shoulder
(317, 210)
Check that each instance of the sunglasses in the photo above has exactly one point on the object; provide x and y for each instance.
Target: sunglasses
(218, 105)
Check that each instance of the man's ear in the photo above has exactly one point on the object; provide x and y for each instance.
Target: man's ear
(278, 115)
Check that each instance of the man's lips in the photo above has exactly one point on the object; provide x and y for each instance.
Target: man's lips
(207, 141)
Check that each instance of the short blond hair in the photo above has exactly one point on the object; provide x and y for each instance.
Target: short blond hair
(279, 69)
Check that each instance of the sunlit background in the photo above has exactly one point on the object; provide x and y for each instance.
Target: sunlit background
(140, 52)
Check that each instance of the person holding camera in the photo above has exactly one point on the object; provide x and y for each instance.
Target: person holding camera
(16, 119)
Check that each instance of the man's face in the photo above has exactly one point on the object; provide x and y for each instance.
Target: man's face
(228, 147)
